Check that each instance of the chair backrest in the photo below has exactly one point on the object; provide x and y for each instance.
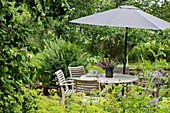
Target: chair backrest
(76, 71)
(119, 69)
(61, 77)
(86, 85)
(156, 81)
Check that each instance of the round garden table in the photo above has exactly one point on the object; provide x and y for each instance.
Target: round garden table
(117, 78)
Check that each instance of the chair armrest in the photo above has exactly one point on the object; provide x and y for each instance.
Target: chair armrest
(69, 81)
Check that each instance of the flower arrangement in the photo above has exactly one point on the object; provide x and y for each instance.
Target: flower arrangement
(107, 63)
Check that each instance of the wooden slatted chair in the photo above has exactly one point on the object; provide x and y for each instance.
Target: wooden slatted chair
(151, 89)
(86, 85)
(76, 71)
(167, 78)
(156, 84)
(156, 87)
(119, 70)
(63, 82)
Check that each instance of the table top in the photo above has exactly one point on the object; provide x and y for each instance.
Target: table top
(117, 78)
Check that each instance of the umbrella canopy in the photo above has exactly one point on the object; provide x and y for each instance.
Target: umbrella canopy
(125, 16)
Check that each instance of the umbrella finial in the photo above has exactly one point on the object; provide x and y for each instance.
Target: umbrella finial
(128, 7)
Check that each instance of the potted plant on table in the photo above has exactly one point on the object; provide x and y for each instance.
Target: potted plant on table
(108, 65)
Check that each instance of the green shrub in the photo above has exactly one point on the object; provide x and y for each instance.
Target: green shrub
(147, 50)
(15, 67)
(57, 55)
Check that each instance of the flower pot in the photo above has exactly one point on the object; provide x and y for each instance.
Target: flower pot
(109, 73)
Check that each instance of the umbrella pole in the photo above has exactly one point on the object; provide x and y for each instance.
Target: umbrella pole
(125, 60)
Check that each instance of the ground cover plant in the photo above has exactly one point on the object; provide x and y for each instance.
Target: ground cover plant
(134, 100)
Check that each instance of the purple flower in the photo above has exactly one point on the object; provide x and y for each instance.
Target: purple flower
(103, 90)
(105, 81)
(155, 100)
(107, 66)
(128, 90)
(103, 63)
(149, 103)
(99, 64)
(107, 63)
(157, 73)
(109, 60)
(99, 75)
(96, 74)
(97, 80)
(118, 93)
(160, 75)
(120, 58)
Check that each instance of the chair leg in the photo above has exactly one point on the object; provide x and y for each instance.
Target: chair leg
(157, 91)
(63, 94)
(63, 97)
(72, 87)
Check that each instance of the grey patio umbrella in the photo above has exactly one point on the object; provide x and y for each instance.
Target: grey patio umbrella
(125, 16)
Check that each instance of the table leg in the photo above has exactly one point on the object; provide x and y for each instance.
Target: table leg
(123, 90)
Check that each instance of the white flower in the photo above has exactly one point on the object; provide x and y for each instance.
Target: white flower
(30, 55)
(40, 83)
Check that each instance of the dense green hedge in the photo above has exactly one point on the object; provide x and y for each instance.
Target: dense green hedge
(17, 22)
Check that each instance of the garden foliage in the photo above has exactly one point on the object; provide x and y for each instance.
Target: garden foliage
(22, 21)
(16, 24)
(136, 100)
(152, 51)
(15, 65)
(60, 54)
